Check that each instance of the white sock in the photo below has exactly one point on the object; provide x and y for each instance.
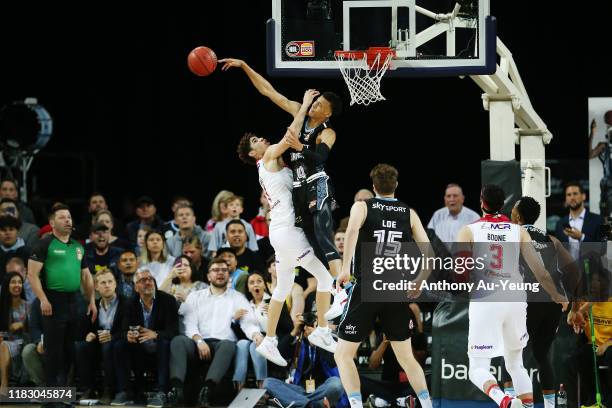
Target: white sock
(496, 394)
(355, 400)
(509, 391)
(424, 399)
(549, 400)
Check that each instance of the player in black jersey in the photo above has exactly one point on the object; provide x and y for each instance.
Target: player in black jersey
(542, 315)
(312, 189)
(386, 220)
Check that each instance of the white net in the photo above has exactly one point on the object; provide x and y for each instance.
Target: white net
(363, 78)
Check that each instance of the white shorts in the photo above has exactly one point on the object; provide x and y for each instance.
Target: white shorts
(291, 248)
(495, 327)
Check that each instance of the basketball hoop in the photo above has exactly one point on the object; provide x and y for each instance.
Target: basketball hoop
(362, 72)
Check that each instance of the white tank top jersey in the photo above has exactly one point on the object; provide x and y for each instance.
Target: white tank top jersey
(497, 240)
(277, 186)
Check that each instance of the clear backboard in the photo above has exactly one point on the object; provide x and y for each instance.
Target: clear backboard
(430, 37)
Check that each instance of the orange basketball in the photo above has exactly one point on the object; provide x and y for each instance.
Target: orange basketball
(202, 61)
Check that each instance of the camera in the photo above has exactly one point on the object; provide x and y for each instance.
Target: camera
(310, 319)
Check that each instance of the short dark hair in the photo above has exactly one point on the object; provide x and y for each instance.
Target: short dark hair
(128, 251)
(6, 221)
(178, 198)
(181, 206)
(573, 183)
(529, 209)
(58, 207)
(96, 194)
(221, 251)
(384, 178)
(334, 101)
(231, 222)
(244, 148)
(492, 198)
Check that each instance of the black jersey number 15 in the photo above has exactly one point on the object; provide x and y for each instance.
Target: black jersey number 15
(387, 242)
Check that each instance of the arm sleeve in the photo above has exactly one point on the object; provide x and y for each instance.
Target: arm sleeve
(190, 319)
(248, 323)
(319, 155)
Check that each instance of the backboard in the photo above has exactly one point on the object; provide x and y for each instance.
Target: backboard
(430, 37)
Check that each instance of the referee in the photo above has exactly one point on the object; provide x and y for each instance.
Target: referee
(56, 270)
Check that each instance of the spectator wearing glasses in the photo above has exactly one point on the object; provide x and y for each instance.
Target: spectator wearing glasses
(209, 338)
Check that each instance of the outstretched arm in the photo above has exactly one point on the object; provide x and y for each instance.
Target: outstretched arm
(263, 86)
(276, 150)
(537, 267)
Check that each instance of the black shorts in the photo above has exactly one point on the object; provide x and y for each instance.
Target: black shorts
(310, 197)
(396, 319)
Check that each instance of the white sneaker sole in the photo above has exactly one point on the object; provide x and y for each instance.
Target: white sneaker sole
(279, 362)
(516, 403)
(317, 341)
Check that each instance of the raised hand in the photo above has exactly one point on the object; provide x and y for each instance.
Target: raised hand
(231, 63)
(309, 96)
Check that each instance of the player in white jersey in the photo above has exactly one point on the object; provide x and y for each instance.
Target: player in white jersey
(499, 328)
(289, 242)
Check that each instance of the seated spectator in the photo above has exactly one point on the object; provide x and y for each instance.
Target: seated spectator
(127, 265)
(209, 337)
(238, 277)
(100, 339)
(248, 259)
(140, 240)
(155, 256)
(179, 282)
(193, 249)
(259, 224)
(32, 354)
(28, 231)
(186, 221)
(13, 328)
(316, 381)
(106, 217)
(95, 203)
(10, 189)
(220, 236)
(10, 244)
(16, 264)
(149, 324)
(99, 254)
(171, 227)
(146, 214)
(219, 210)
(259, 298)
(339, 241)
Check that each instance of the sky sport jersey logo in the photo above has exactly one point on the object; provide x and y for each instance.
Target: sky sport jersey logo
(481, 347)
(300, 49)
(380, 206)
(350, 329)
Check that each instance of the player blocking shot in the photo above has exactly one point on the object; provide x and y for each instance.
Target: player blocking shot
(370, 220)
(499, 328)
(289, 242)
(312, 190)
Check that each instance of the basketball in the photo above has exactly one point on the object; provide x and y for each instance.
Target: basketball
(202, 61)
